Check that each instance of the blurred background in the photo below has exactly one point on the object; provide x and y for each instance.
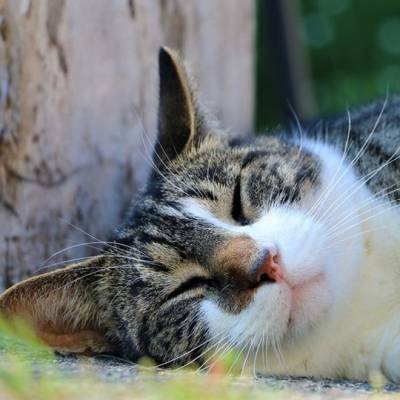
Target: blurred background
(321, 56)
(78, 97)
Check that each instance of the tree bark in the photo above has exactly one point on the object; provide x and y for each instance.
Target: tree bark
(78, 103)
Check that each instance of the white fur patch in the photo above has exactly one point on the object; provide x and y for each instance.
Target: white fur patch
(343, 317)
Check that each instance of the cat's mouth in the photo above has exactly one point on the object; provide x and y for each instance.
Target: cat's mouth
(303, 289)
(308, 301)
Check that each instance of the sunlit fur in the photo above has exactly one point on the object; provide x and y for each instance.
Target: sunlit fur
(336, 232)
(177, 281)
(344, 240)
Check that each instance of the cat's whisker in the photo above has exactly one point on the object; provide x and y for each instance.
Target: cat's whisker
(276, 347)
(300, 131)
(365, 145)
(62, 263)
(199, 346)
(382, 211)
(382, 193)
(218, 355)
(255, 356)
(164, 164)
(147, 147)
(113, 246)
(265, 348)
(67, 284)
(372, 201)
(97, 270)
(214, 348)
(59, 252)
(131, 258)
(251, 344)
(368, 205)
(332, 184)
(355, 221)
(161, 160)
(330, 247)
(229, 342)
(237, 358)
(240, 348)
(362, 182)
(374, 229)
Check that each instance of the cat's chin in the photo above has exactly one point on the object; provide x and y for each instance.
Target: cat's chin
(307, 304)
(278, 313)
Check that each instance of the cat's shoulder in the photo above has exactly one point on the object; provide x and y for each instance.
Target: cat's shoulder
(378, 121)
(369, 135)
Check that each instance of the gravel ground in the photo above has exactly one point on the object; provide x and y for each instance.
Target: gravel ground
(110, 370)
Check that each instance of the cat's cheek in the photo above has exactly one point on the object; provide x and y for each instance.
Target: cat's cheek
(267, 316)
(309, 305)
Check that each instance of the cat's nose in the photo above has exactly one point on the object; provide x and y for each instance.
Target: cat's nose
(241, 261)
(268, 268)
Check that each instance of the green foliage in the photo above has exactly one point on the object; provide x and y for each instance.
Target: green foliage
(18, 339)
(354, 51)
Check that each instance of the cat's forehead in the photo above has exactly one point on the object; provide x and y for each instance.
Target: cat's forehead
(265, 161)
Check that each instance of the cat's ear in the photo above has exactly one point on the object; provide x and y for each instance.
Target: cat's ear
(62, 307)
(180, 123)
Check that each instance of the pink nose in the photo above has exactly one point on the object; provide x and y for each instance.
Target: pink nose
(269, 270)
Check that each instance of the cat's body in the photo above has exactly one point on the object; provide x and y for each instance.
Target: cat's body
(284, 249)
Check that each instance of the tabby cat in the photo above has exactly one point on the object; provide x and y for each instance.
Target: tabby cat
(285, 248)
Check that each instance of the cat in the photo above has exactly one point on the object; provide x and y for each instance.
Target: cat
(284, 248)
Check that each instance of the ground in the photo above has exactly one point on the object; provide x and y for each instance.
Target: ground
(30, 371)
(97, 378)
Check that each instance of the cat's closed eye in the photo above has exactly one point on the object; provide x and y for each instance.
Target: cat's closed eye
(265, 246)
(193, 282)
(237, 212)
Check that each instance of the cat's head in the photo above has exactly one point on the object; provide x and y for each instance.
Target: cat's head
(233, 242)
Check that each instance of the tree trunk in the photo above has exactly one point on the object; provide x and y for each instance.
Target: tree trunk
(78, 103)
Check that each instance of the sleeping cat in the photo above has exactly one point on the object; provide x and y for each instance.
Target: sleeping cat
(284, 248)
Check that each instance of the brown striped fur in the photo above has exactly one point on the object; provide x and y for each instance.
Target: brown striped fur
(143, 295)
